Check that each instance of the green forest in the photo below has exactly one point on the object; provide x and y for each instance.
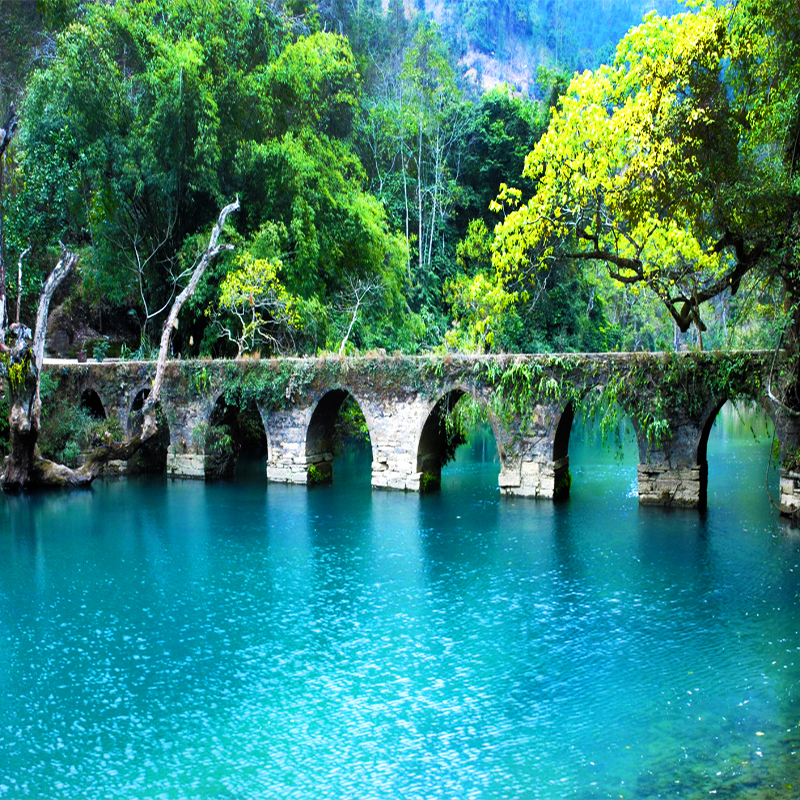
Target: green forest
(636, 189)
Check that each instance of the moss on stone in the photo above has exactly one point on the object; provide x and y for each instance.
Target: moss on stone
(429, 482)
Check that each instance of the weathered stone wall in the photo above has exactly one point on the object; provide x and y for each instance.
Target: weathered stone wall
(787, 430)
(530, 401)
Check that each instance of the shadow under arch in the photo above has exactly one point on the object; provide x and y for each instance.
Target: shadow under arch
(437, 445)
(152, 457)
(91, 402)
(562, 476)
(135, 418)
(336, 411)
(232, 431)
(701, 455)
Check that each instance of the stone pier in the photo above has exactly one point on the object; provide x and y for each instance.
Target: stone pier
(790, 492)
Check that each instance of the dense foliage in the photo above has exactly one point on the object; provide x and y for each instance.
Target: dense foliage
(368, 162)
(675, 167)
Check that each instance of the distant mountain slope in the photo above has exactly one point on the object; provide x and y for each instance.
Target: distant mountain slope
(505, 41)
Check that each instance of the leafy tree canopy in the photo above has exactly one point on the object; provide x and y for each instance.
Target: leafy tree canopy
(151, 115)
(664, 181)
(676, 166)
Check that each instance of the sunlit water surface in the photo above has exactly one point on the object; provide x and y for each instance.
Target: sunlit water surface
(181, 640)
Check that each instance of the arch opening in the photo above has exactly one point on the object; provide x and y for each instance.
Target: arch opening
(456, 430)
(336, 428)
(69, 430)
(232, 432)
(734, 449)
(598, 454)
(563, 431)
(702, 453)
(91, 403)
(138, 401)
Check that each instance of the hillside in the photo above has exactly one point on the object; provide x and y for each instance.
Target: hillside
(505, 41)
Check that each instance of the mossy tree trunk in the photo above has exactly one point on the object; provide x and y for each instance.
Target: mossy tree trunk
(23, 467)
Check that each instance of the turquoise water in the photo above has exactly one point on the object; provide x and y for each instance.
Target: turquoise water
(181, 640)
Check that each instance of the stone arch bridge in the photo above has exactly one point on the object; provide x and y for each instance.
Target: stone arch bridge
(529, 400)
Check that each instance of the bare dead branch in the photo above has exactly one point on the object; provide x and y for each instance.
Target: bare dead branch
(19, 279)
(359, 289)
(211, 252)
(60, 271)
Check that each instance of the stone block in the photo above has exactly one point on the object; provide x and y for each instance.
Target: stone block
(509, 478)
(398, 482)
(661, 486)
(519, 491)
(546, 486)
(278, 474)
(315, 458)
(790, 492)
(186, 465)
(535, 469)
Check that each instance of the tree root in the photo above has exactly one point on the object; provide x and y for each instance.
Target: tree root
(42, 473)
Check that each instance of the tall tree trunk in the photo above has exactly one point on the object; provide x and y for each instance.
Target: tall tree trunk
(404, 165)
(6, 135)
(353, 318)
(23, 466)
(3, 292)
(437, 180)
(19, 279)
(420, 240)
(210, 253)
(404, 170)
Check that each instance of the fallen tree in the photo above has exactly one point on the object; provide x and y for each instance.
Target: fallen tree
(21, 365)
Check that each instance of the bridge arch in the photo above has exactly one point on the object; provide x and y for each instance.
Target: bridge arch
(229, 431)
(561, 442)
(562, 478)
(707, 420)
(133, 421)
(91, 402)
(435, 447)
(563, 432)
(707, 423)
(321, 431)
(713, 410)
(763, 412)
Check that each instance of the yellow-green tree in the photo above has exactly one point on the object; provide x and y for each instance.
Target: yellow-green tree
(676, 166)
(255, 310)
